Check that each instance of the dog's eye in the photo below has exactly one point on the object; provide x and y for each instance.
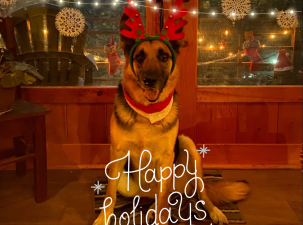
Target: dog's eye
(164, 58)
(139, 59)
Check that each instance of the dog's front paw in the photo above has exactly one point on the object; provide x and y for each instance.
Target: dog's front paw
(217, 216)
(98, 221)
(151, 214)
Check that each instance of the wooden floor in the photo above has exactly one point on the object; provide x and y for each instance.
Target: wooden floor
(275, 199)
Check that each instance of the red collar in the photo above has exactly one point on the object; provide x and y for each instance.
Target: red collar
(152, 108)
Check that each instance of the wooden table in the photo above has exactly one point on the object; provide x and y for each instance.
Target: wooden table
(22, 126)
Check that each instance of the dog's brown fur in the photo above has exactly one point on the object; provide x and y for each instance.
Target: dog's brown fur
(131, 132)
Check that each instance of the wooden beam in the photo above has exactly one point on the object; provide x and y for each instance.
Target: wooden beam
(265, 156)
(59, 95)
(247, 94)
(187, 63)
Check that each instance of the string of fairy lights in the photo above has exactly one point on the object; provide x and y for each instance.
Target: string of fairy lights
(136, 3)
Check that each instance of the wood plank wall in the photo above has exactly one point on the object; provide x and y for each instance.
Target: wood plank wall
(244, 127)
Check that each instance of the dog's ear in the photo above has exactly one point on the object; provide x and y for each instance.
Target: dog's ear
(177, 44)
(125, 43)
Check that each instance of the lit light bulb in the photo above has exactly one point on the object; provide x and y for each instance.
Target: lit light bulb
(285, 32)
(155, 7)
(213, 13)
(150, 0)
(117, 0)
(194, 12)
(291, 12)
(252, 13)
(221, 47)
(174, 10)
(263, 46)
(230, 54)
(114, 3)
(135, 4)
(274, 61)
(79, 3)
(233, 14)
(211, 46)
(272, 36)
(200, 40)
(272, 13)
(96, 3)
(132, 2)
(61, 1)
(45, 31)
(226, 32)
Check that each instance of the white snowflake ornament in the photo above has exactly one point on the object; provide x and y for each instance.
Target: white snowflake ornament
(7, 2)
(235, 9)
(70, 22)
(287, 19)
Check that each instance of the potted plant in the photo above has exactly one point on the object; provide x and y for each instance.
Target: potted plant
(13, 74)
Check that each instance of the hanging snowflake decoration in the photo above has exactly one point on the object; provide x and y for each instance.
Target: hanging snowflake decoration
(235, 9)
(70, 22)
(287, 19)
(7, 2)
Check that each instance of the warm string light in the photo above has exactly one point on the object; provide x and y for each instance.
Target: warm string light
(155, 7)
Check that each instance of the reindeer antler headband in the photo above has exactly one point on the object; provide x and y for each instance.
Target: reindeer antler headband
(167, 34)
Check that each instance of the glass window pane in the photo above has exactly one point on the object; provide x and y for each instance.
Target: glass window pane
(254, 50)
(36, 33)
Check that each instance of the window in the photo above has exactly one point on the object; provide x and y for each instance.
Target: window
(40, 44)
(222, 58)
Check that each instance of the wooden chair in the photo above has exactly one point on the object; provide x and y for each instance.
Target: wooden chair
(59, 59)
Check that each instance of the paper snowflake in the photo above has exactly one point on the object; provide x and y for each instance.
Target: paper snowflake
(70, 22)
(286, 19)
(7, 2)
(235, 9)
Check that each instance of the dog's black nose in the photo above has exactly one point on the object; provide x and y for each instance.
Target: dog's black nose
(150, 82)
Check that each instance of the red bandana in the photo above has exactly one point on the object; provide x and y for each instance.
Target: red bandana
(152, 108)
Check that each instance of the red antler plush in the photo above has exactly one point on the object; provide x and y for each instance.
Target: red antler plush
(137, 29)
(171, 27)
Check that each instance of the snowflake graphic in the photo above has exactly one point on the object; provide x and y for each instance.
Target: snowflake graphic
(97, 187)
(235, 9)
(203, 150)
(287, 19)
(7, 2)
(70, 22)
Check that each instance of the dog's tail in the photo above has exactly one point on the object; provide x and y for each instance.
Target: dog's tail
(224, 192)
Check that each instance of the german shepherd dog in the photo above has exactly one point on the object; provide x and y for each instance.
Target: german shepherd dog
(131, 132)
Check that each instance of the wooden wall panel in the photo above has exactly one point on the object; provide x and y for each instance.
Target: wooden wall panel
(216, 123)
(109, 112)
(86, 123)
(290, 123)
(56, 124)
(68, 155)
(254, 154)
(257, 122)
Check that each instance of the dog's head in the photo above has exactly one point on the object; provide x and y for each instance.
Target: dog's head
(149, 68)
